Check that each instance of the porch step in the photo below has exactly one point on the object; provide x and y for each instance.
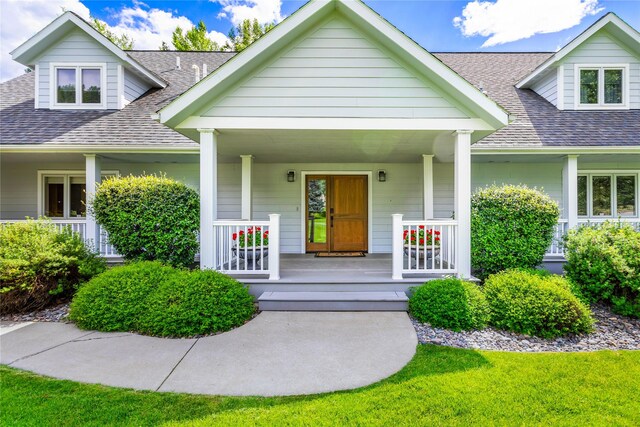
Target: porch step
(333, 301)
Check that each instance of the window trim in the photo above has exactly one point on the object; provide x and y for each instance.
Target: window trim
(614, 194)
(601, 68)
(66, 174)
(78, 105)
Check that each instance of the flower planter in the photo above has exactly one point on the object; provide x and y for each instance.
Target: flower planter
(421, 251)
(250, 252)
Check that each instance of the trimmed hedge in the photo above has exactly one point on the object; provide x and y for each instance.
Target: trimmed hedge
(40, 264)
(154, 299)
(450, 303)
(604, 262)
(511, 227)
(149, 218)
(535, 304)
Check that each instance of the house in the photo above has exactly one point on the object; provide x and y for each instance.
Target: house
(335, 131)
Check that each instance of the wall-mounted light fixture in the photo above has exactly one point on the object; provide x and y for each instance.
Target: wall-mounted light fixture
(291, 176)
(382, 175)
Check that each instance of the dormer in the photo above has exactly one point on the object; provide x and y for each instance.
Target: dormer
(77, 68)
(598, 70)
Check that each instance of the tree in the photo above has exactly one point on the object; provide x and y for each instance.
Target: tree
(246, 33)
(194, 39)
(164, 46)
(123, 41)
(240, 37)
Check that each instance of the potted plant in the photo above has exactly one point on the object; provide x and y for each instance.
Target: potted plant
(252, 243)
(424, 242)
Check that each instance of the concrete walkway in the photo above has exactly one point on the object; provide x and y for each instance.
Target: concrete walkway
(277, 353)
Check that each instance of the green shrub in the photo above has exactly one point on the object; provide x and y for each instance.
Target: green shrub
(450, 303)
(511, 227)
(535, 304)
(40, 264)
(155, 299)
(149, 218)
(604, 263)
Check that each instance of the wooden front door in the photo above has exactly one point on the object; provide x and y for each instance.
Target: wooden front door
(337, 217)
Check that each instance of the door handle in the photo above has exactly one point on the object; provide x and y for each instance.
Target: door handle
(331, 221)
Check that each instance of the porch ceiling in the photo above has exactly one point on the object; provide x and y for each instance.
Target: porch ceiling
(277, 146)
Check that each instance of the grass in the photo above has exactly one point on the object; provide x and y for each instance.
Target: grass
(319, 229)
(439, 386)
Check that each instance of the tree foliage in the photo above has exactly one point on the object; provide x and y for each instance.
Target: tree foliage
(196, 38)
(123, 41)
(246, 33)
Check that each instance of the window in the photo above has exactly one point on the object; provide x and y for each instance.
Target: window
(601, 87)
(608, 194)
(63, 194)
(79, 86)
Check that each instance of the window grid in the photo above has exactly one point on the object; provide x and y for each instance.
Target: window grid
(613, 196)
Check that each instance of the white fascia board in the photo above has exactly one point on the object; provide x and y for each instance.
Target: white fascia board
(98, 149)
(235, 64)
(355, 8)
(314, 123)
(20, 54)
(480, 150)
(609, 18)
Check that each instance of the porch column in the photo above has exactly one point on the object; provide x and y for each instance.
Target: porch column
(570, 190)
(427, 195)
(247, 184)
(462, 168)
(208, 195)
(93, 172)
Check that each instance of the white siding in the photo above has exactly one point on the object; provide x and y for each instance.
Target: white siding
(601, 48)
(335, 72)
(548, 87)
(134, 86)
(78, 47)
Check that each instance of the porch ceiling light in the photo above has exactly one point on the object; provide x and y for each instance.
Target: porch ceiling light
(291, 176)
(382, 175)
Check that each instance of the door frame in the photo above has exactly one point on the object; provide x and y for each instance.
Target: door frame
(303, 204)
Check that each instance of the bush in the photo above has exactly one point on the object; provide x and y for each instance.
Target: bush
(155, 299)
(149, 218)
(511, 227)
(535, 304)
(450, 303)
(40, 264)
(604, 263)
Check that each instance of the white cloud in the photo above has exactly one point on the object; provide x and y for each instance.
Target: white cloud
(505, 21)
(149, 27)
(21, 19)
(264, 11)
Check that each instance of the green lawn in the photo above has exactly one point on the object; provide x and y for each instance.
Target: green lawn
(440, 385)
(319, 229)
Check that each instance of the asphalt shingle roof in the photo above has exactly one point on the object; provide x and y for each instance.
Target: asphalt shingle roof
(537, 122)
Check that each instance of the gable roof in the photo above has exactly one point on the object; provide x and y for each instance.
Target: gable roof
(28, 51)
(129, 129)
(610, 22)
(305, 18)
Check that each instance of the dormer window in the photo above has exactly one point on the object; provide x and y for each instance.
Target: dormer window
(79, 86)
(601, 87)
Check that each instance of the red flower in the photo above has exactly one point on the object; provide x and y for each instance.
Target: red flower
(235, 236)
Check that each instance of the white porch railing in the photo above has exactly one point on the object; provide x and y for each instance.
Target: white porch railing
(238, 251)
(563, 227)
(79, 226)
(424, 246)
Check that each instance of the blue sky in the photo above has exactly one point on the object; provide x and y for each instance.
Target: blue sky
(438, 25)
(429, 22)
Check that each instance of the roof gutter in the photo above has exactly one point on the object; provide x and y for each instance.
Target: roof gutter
(99, 149)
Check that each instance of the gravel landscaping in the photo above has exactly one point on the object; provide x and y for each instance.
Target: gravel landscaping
(57, 313)
(612, 332)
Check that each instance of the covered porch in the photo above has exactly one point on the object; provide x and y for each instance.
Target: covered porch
(415, 212)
